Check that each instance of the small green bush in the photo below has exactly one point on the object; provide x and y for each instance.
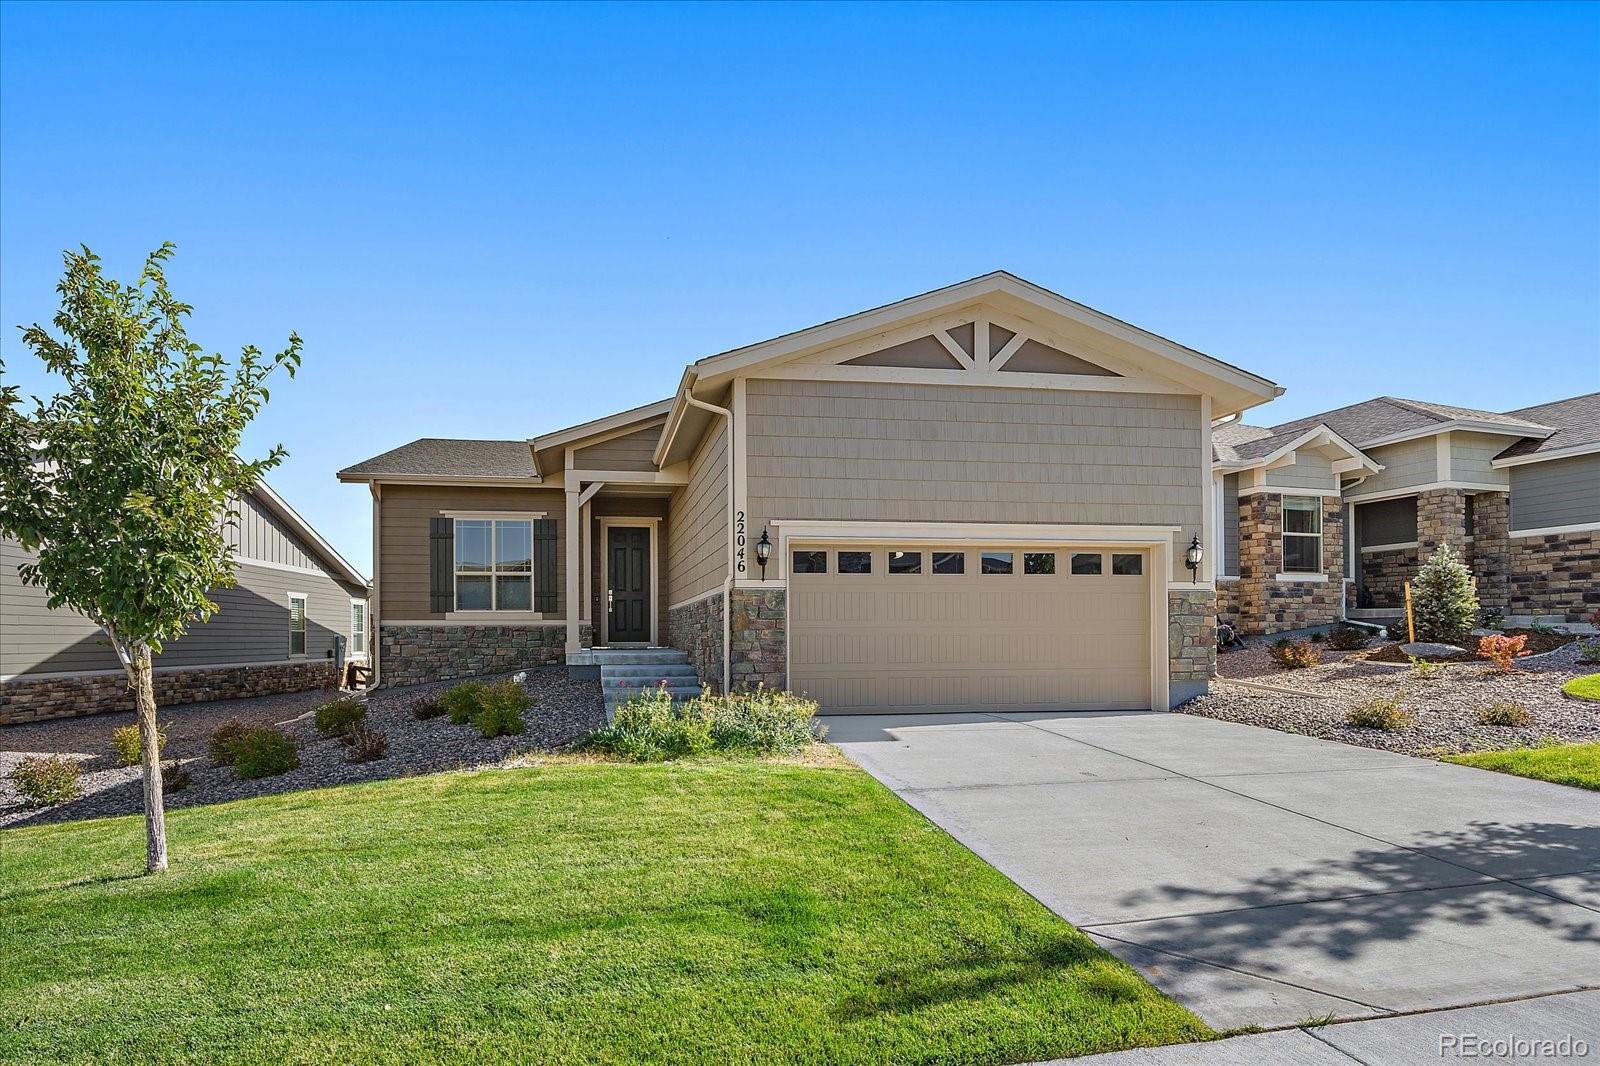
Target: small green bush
(1444, 605)
(125, 746)
(224, 741)
(264, 752)
(500, 708)
(463, 701)
(46, 780)
(1294, 654)
(1318, 636)
(1589, 651)
(174, 778)
(764, 721)
(650, 727)
(1506, 714)
(1347, 638)
(341, 717)
(1383, 712)
(1423, 668)
(424, 709)
(365, 745)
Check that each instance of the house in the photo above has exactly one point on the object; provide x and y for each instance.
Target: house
(1334, 513)
(274, 630)
(983, 496)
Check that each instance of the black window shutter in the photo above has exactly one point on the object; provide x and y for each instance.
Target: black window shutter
(441, 565)
(544, 564)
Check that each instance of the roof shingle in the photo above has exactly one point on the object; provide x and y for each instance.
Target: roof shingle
(1576, 422)
(441, 457)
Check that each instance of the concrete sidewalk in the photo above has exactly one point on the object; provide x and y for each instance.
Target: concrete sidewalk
(1262, 878)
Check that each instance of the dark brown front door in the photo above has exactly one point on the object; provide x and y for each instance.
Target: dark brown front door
(628, 574)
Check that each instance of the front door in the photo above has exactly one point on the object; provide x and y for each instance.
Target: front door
(628, 585)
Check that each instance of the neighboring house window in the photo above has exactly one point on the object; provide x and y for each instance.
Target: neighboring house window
(358, 627)
(494, 564)
(297, 625)
(1302, 535)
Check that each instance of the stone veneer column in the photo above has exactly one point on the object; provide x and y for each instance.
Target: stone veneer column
(1442, 519)
(1191, 643)
(1259, 556)
(697, 629)
(1266, 605)
(758, 649)
(1491, 549)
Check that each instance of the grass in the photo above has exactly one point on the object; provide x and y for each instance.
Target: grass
(1586, 687)
(572, 911)
(1565, 764)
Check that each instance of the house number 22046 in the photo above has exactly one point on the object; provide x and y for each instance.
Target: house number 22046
(738, 542)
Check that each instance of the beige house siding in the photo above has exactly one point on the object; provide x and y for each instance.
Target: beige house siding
(405, 511)
(869, 451)
(1469, 459)
(631, 452)
(1309, 472)
(1405, 465)
(697, 515)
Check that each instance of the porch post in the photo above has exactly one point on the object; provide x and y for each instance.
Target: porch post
(574, 533)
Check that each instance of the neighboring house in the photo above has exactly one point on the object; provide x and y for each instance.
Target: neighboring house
(273, 631)
(1338, 510)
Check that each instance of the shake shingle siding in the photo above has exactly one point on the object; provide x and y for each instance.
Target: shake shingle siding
(697, 560)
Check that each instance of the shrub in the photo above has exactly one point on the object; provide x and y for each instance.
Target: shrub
(125, 746)
(1508, 714)
(463, 701)
(45, 780)
(1589, 651)
(500, 709)
(1383, 713)
(1318, 636)
(1423, 668)
(1294, 654)
(1543, 628)
(650, 727)
(341, 717)
(1491, 618)
(365, 745)
(174, 778)
(424, 709)
(764, 721)
(1347, 638)
(1501, 650)
(264, 752)
(1444, 604)
(224, 741)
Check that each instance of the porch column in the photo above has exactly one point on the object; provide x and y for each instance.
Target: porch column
(574, 532)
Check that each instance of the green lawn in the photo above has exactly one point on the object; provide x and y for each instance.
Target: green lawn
(1586, 687)
(1565, 764)
(722, 912)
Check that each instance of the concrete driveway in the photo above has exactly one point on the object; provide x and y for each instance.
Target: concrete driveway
(1262, 878)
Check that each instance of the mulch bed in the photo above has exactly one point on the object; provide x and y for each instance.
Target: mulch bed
(1536, 644)
(563, 711)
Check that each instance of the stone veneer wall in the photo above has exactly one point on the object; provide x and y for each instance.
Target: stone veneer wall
(1442, 519)
(1228, 602)
(36, 699)
(415, 655)
(696, 628)
(1489, 554)
(759, 649)
(1191, 642)
(1266, 605)
(1383, 574)
(1555, 575)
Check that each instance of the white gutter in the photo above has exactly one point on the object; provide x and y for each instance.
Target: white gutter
(733, 556)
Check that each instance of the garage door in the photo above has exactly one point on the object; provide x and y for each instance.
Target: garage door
(891, 628)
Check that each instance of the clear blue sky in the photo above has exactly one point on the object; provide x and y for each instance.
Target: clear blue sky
(494, 221)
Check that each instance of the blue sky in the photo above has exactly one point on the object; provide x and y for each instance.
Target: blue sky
(492, 221)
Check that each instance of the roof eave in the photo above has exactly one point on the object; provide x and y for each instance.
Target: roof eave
(330, 554)
(1461, 425)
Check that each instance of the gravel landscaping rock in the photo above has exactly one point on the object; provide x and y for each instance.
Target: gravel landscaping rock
(563, 711)
(1445, 704)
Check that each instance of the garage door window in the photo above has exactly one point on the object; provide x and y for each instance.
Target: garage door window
(809, 563)
(1127, 565)
(949, 562)
(1087, 563)
(855, 562)
(996, 563)
(905, 562)
(1038, 562)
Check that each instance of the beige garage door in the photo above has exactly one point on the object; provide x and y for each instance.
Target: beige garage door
(896, 628)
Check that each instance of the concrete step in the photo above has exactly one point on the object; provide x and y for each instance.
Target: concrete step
(616, 693)
(641, 657)
(655, 671)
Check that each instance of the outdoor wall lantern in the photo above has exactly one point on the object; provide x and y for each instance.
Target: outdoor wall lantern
(763, 553)
(1192, 558)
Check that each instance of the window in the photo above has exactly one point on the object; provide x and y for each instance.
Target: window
(358, 627)
(949, 562)
(808, 563)
(1038, 562)
(855, 562)
(494, 564)
(1131, 565)
(297, 625)
(1302, 535)
(905, 562)
(1086, 562)
(995, 563)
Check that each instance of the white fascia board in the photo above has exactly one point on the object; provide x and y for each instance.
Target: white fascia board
(1317, 436)
(1460, 425)
(1543, 457)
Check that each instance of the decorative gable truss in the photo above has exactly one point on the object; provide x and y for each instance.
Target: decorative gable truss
(976, 347)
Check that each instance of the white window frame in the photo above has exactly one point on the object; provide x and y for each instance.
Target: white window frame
(494, 570)
(358, 605)
(304, 630)
(1284, 534)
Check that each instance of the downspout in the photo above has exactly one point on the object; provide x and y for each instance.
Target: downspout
(373, 643)
(733, 551)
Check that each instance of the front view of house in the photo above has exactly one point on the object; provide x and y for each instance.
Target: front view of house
(986, 496)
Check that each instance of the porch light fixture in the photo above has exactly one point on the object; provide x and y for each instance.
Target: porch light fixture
(1192, 558)
(763, 553)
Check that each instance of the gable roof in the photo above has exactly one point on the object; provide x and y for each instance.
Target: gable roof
(437, 457)
(1237, 446)
(1576, 421)
(314, 540)
(1385, 419)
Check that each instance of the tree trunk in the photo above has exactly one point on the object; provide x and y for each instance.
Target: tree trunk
(142, 681)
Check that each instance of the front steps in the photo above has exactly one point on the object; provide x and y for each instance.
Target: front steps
(627, 671)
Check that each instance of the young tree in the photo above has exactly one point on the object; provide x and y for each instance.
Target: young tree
(1444, 603)
(122, 482)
